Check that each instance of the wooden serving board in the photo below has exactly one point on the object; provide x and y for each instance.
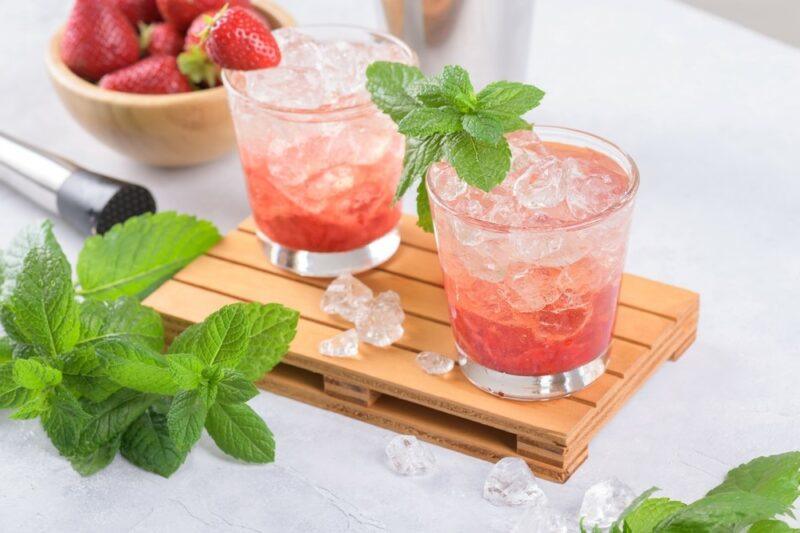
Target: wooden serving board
(385, 387)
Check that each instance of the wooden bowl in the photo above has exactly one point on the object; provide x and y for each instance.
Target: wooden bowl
(169, 130)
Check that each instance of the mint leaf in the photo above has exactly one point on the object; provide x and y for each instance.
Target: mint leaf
(96, 460)
(134, 257)
(477, 162)
(137, 367)
(616, 527)
(6, 348)
(147, 444)
(772, 526)
(514, 124)
(650, 513)
(725, 511)
(776, 477)
(33, 375)
(93, 388)
(508, 99)
(484, 128)
(222, 338)
(11, 393)
(186, 370)
(240, 432)
(271, 328)
(388, 82)
(424, 218)
(235, 388)
(186, 417)
(452, 87)
(420, 154)
(110, 418)
(425, 121)
(36, 405)
(37, 299)
(64, 421)
(124, 319)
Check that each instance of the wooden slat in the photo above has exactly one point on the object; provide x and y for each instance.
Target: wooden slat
(656, 297)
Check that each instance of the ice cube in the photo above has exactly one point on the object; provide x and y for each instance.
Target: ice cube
(529, 289)
(445, 182)
(543, 519)
(604, 502)
(407, 456)
(380, 321)
(541, 185)
(589, 195)
(346, 296)
(344, 344)
(511, 482)
(434, 363)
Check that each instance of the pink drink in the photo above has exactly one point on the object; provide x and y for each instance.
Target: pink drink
(321, 161)
(532, 269)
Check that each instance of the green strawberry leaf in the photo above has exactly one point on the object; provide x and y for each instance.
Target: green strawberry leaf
(33, 375)
(239, 431)
(478, 163)
(37, 299)
(484, 128)
(271, 328)
(425, 121)
(388, 82)
(147, 444)
(96, 460)
(135, 257)
(509, 99)
(186, 417)
(235, 388)
(222, 338)
(186, 370)
(419, 156)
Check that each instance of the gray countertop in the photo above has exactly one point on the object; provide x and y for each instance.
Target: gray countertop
(710, 112)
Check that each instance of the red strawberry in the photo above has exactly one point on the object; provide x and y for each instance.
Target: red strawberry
(152, 75)
(139, 10)
(200, 23)
(98, 39)
(160, 38)
(181, 13)
(240, 40)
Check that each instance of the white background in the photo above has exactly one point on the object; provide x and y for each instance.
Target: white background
(709, 110)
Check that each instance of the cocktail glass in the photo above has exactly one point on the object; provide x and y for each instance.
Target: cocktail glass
(532, 270)
(321, 161)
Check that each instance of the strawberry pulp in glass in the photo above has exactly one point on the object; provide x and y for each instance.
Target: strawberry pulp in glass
(532, 269)
(321, 161)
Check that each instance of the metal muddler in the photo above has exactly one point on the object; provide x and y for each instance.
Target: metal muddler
(89, 201)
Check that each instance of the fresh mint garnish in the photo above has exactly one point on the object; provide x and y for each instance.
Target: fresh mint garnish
(90, 363)
(443, 117)
(750, 499)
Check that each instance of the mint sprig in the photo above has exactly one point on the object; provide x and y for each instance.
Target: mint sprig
(89, 363)
(752, 498)
(443, 118)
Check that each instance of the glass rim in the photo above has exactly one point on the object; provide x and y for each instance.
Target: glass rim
(624, 200)
(366, 105)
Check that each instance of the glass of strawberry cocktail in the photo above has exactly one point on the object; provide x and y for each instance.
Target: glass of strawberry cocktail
(321, 161)
(532, 269)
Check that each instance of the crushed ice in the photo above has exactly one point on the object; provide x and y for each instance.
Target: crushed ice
(407, 456)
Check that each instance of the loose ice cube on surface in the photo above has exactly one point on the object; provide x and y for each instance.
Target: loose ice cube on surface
(407, 456)
(346, 296)
(604, 502)
(435, 363)
(511, 482)
(380, 322)
(344, 344)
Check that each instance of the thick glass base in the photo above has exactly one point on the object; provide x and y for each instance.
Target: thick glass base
(329, 265)
(532, 387)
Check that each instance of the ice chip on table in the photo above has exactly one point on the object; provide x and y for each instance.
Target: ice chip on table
(346, 296)
(380, 322)
(434, 363)
(511, 482)
(544, 519)
(407, 456)
(344, 344)
(604, 502)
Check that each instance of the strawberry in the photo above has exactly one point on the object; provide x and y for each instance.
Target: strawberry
(98, 39)
(152, 75)
(200, 23)
(240, 40)
(181, 13)
(139, 10)
(160, 38)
